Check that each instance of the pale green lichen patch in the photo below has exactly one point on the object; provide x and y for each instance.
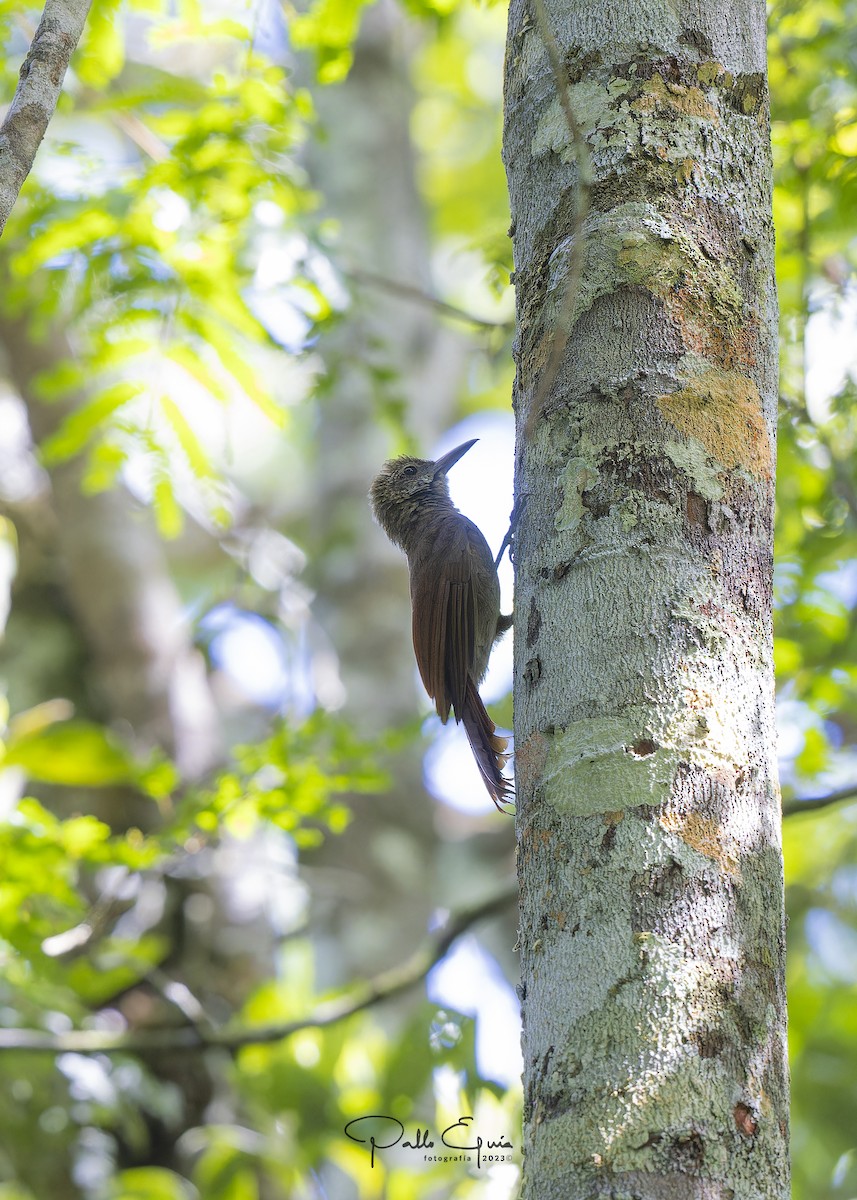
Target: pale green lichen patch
(692, 458)
(627, 515)
(636, 245)
(671, 255)
(623, 246)
(590, 766)
(619, 117)
(642, 846)
(702, 296)
(605, 764)
(602, 118)
(619, 1109)
(574, 480)
(706, 622)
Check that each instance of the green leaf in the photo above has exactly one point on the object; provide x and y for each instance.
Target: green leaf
(246, 377)
(73, 754)
(169, 516)
(151, 1183)
(187, 439)
(225, 1171)
(188, 358)
(815, 755)
(104, 463)
(79, 229)
(81, 835)
(329, 28)
(116, 964)
(158, 778)
(82, 425)
(101, 55)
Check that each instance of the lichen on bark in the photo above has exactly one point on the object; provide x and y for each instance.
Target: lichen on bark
(648, 826)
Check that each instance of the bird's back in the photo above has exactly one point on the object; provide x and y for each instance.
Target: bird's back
(455, 597)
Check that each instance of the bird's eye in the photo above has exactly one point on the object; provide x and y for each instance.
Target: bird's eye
(409, 471)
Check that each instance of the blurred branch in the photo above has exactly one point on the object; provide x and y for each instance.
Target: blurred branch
(384, 986)
(408, 292)
(791, 807)
(141, 135)
(36, 95)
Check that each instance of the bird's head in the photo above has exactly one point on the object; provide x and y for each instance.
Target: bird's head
(404, 486)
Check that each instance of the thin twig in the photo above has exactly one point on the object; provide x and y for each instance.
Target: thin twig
(408, 292)
(36, 95)
(194, 1037)
(581, 208)
(792, 807)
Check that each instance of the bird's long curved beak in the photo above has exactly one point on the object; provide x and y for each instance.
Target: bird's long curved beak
(452, 456)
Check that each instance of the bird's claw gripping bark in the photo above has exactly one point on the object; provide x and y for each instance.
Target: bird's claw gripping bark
(509, 539)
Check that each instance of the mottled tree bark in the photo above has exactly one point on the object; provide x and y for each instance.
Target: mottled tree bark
(35, 99)
(649, 844)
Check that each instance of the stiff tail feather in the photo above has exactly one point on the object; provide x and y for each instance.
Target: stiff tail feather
(487, 746)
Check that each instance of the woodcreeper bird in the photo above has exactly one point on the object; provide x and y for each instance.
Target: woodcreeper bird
(455, 598)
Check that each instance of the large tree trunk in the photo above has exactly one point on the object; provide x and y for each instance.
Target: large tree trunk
(649, 843)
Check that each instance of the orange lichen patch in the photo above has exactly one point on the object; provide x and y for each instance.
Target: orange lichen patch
(530, 759)
(705, 836)
(696, 698)
(679, 97)
(707, 306)
(723, 411)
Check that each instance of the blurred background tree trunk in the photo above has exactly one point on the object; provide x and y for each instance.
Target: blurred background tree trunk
(96, 590)
(394, 364)
(145, 675)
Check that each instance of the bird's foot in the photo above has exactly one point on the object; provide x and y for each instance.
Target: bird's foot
(509, 539)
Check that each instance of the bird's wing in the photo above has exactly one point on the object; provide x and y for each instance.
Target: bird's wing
(444, 617)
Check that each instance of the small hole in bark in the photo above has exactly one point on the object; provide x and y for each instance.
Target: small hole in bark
(745, 1122)
(534, 624)
(533, 671)
(697, 509)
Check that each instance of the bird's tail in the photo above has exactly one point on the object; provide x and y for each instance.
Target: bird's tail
(489, 749)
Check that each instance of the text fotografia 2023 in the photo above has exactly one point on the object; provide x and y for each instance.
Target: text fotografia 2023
(381, 1132)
